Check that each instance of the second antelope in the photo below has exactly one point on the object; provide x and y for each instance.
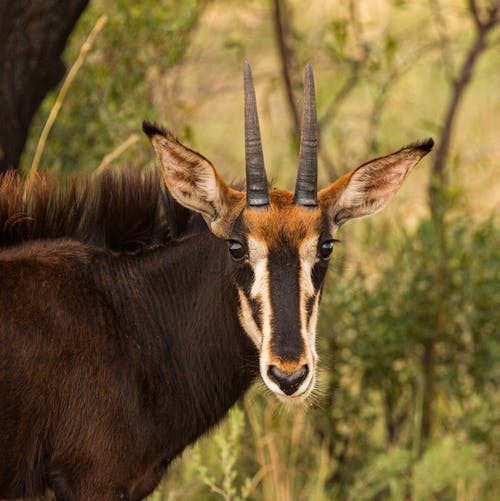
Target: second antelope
(116, 353)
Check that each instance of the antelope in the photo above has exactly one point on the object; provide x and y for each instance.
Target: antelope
(135, 311)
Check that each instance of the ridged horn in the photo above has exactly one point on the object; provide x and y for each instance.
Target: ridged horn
(257, 187)
(306, 187)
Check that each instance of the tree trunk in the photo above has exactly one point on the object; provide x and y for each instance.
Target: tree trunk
(33, 34)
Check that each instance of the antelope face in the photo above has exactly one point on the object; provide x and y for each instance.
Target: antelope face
(281, 255)
(279, 242)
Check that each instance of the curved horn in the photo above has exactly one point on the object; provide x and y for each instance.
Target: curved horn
(257, 188)
(306, 187)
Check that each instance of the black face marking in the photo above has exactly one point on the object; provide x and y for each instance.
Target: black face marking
(256, 312)
(245, 278)
(319, 269)
(284, 268)
(318, 274)
(309, 306)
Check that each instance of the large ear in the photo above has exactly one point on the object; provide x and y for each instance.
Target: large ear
(369, 188)
(194, 182)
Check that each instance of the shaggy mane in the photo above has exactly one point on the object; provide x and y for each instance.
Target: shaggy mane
(125, 211)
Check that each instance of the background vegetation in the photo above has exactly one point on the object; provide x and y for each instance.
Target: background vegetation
(409, 401)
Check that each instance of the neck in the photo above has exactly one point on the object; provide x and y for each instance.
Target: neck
(177, 312)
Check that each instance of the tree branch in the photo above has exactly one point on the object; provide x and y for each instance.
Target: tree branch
(281, 29)
(446, 55)
(82, 55)
(483, 28)
(492, 12)
(344, 91)
(380, 100)
(474, 12)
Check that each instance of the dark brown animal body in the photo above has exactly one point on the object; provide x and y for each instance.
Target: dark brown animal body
(110, 364)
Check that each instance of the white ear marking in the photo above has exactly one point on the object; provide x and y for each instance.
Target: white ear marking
(371, 186)
(195, 184)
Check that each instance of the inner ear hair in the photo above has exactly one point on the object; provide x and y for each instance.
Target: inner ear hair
(192, 179)
(369, 188)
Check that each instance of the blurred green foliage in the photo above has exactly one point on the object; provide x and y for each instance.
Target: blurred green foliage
(398, 282)
(381, 324)
(112, 92)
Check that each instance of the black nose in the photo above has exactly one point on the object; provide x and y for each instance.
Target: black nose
(288, 383)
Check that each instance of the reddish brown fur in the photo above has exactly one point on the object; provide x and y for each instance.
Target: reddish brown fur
(287, 366)
(282, 217)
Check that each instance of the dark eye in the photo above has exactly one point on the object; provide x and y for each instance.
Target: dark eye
(325, 249)
(237, 250)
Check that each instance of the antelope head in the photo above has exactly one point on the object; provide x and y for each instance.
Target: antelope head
(279, 242)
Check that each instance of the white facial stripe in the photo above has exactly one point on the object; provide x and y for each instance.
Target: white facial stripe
(260, 287)
(247, 320)
(308, 257)
(258, 252)
(258, 255)
(311, 328)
